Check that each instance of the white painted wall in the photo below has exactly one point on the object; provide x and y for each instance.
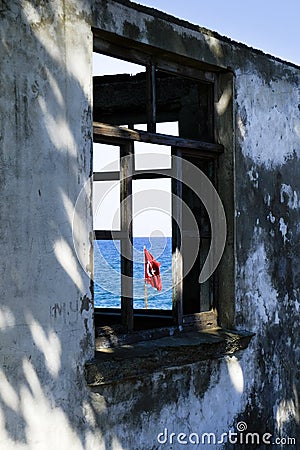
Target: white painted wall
(45, 335)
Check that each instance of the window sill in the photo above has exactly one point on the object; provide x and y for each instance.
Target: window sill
(128, 361)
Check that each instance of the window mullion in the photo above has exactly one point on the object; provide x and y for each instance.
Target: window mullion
(126, 169)
(177, 262)
(151, 98)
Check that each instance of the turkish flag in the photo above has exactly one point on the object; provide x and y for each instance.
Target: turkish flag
(152, 271)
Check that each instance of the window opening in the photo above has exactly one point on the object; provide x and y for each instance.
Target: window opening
(108, 65)
(106, 197)
(152, 229)
(149, 156)
(120, 91)
(107, 274)
(106, 158)
(151, 114)
(170, 128)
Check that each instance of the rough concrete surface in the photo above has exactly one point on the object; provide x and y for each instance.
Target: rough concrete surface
(46, 316)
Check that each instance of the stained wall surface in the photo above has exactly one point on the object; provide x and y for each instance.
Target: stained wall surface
(46, 321)
(46, 327)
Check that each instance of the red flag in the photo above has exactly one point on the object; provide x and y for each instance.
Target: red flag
(152, 271)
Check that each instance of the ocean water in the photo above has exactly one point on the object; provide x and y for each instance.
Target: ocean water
(107, 270)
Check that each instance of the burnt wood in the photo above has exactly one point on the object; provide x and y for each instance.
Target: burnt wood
(122, 134)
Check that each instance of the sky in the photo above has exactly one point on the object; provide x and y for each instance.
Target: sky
(269, 25)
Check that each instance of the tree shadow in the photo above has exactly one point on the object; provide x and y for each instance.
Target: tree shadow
(45, 160)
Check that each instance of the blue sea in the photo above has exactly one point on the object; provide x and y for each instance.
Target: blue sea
(107, 270)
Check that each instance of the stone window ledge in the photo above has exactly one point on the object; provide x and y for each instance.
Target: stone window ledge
(136, 360)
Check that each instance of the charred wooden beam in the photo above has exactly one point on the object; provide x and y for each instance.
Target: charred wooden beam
(105, 132)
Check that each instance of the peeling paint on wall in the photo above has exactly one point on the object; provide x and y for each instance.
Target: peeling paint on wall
(283, 229)
(258, 294)
(287, 193)
(263, 106)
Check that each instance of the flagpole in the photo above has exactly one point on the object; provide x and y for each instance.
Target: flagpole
(146, 295)
(145, 289)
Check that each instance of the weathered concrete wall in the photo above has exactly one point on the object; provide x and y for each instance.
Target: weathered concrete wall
(46, 328)
(261, 385)
(45, 315)
(267, 210)
(185, 399)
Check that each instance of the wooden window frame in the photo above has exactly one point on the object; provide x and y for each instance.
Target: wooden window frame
(125, 138)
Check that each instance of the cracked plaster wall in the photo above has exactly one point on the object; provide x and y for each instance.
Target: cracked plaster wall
(267, 227)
